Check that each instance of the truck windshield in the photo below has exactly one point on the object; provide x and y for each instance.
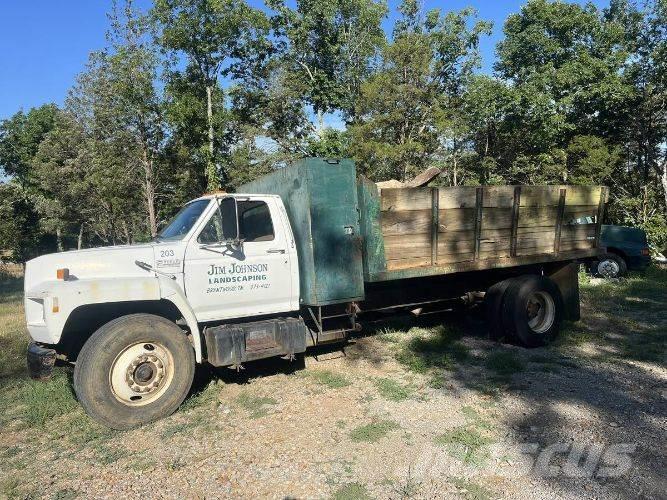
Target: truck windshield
(181, 224)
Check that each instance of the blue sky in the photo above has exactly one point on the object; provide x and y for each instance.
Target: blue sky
(44, 44)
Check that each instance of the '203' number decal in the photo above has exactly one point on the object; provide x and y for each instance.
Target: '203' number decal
(166, 253)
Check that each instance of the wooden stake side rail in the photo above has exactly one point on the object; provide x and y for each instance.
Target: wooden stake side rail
(455, 226)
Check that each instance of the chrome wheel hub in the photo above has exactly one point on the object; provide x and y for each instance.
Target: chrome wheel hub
(608, 268)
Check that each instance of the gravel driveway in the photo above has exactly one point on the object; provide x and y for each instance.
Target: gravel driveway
(419, 409)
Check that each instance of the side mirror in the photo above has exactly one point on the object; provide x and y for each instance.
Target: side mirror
(230, 220)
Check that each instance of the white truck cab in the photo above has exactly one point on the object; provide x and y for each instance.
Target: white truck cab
(191, 264)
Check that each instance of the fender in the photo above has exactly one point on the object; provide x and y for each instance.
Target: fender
(169, 290)
(50, 303)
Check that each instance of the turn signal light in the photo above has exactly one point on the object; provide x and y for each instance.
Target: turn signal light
(55, 306)
(645, 251)
(62, 274)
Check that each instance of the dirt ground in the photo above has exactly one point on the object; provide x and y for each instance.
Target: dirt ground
(413, 409)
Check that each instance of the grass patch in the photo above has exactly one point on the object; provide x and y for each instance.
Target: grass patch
(45, 401)
(467, 444)
(393, 390)
(107, 455)
(206, 396)
(256, 406)
(471, 490)
(504, 363)
(351, 491)
(373, 432)
(328, 378)
(192, 422)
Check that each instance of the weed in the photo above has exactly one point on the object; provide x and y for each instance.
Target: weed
(65, 494)
(466, 443)
(393, 390)
(255, 405)
(351, 491)
(471, 490)
(331, 379)
(192, 422)
(373, 432)
(45, 401)
(107, 454)
(408, 488)
(207, 395)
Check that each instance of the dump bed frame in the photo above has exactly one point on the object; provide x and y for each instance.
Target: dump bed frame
(412, 232)
(348, 232)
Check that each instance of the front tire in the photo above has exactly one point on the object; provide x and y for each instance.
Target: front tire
(134, 370)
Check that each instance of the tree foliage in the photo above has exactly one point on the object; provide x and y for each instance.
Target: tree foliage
(195, 95)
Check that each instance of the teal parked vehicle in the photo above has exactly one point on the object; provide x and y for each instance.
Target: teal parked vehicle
(627, 249)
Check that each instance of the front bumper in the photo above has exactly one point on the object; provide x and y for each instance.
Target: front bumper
(40, 361)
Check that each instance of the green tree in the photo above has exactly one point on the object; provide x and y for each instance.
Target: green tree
(218, 38)
(409, 109)
(20, 136)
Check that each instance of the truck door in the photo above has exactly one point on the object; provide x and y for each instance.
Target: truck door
(254, 278)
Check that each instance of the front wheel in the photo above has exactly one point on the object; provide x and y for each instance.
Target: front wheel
(134, 370)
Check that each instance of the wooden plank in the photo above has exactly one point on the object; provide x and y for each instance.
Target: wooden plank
(497, 263)
(462, 242)
(570, 245)
(505, 233)
(457, 197)
(579, 232)
(407, 246)
(456, 219)
(419, 245)
(536, 231)
(466, 196)
(583, 195)
(497, 217)
(408, 263)
(406, 221)
(405, 199)
(479, 206)
(538, 216)
(539, 196)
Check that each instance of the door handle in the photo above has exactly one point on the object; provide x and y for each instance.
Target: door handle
(276, 250)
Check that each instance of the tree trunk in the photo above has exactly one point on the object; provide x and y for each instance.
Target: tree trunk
(149, 191)
(664, 181)
(79, 241)
(211, 174)
(59, 239)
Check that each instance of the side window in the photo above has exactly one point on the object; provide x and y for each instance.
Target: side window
(255, 221)
(212, 232)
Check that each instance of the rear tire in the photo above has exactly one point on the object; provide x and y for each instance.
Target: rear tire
(134, 370)
(493, 306)
(533, 310)
(610, 265)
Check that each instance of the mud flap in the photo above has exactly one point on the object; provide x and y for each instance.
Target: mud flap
(567, 279)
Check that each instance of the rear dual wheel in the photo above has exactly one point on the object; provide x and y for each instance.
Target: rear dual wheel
(527, 309)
